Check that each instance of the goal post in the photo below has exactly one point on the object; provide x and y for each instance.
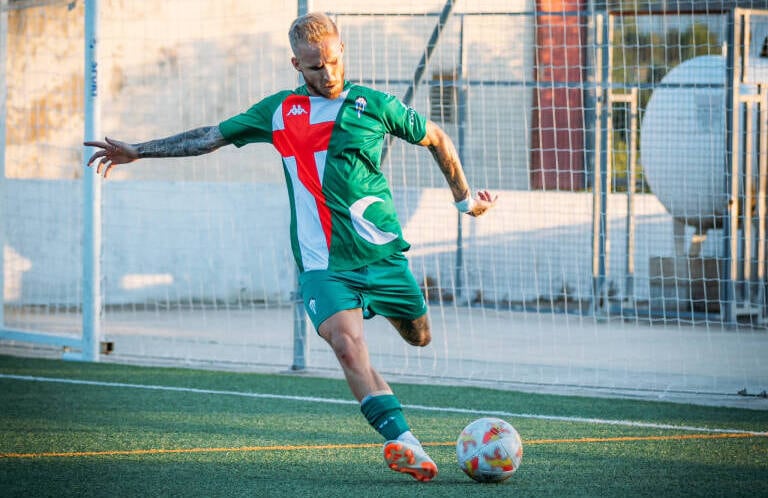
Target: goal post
(3, 99)
(81, 341)
(15, 217)
(92, 222)
(576, 280)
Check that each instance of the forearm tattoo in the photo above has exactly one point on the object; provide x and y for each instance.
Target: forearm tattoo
(189, 143)
(450, 165)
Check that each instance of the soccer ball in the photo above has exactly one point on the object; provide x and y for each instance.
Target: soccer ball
(489, 450)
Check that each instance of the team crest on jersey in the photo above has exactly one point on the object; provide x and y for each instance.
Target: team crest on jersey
(360, 104)
(296, 110)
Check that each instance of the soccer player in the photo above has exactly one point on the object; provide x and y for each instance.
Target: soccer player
(345, 235)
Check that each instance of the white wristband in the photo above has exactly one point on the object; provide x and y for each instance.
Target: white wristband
(466, 205)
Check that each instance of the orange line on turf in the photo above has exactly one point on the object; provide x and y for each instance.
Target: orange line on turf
(162, 451)
(240, 449)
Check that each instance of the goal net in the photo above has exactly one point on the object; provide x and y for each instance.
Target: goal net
(605, 266)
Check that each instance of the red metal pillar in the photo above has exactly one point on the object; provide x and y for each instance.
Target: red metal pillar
(557, 140)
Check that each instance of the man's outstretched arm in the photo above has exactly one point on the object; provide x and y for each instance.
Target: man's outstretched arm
(441, 146)
(189, 143)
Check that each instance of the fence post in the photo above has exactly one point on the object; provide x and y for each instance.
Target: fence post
(300, 343)
(730, 187)
(601, 172)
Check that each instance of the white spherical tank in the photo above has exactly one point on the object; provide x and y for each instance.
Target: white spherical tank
(682, 141)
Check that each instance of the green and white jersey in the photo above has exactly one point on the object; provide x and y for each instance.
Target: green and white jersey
(342, 214)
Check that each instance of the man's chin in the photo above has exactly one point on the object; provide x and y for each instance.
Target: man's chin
(328, 93)
(332, 92)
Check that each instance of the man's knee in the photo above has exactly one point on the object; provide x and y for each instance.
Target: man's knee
(345, 338)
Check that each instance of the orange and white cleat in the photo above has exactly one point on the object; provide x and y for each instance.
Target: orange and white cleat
(410, 459)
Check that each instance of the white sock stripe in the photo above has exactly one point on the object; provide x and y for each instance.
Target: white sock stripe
(374, 394)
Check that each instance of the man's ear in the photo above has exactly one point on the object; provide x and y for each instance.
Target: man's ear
(295, 63)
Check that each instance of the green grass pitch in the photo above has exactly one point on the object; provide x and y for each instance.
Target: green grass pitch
(80, 429)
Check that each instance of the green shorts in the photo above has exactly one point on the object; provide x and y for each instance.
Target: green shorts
(386, 288)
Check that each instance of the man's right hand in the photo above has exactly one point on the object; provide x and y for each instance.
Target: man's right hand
(112, 152)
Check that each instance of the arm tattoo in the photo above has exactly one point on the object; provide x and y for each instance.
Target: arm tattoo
(450, 165)
(189, 143)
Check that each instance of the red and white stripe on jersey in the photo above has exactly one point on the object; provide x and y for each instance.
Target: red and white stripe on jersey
(301, 130)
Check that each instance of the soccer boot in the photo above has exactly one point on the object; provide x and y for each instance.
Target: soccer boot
(409, 458)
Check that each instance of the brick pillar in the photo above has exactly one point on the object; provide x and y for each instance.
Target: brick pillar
(557, 139)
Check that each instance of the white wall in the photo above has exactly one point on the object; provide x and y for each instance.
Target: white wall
(182, 241)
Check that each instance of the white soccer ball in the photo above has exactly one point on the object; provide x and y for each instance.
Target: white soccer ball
(489, 450)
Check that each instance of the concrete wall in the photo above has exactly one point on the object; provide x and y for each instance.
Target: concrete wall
(189, 242)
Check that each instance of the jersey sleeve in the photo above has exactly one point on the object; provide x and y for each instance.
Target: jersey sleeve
(403, 121)
(253, 125)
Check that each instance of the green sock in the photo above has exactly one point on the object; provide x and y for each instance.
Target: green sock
(385, 414)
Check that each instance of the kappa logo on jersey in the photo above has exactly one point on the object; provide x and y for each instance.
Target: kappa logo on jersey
(296, 110)
(313, 306)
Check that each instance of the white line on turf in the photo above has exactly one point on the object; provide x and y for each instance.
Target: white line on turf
(336, 401)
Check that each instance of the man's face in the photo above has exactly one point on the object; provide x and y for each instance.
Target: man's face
(322, 66)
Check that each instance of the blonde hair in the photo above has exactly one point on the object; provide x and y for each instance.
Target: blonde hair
(311, 28)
